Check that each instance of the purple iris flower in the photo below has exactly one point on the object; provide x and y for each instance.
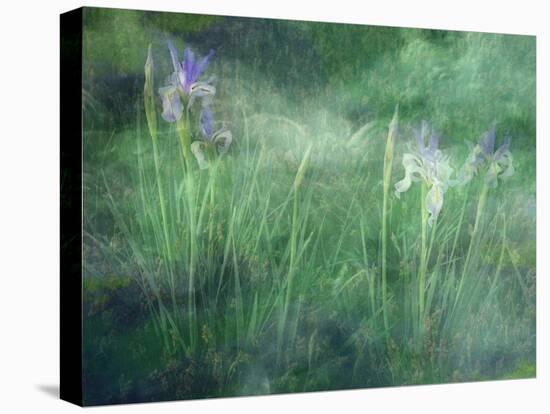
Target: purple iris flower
(427, 164)
(188, 72)
(487, 144)
(499, 163)
(185, 83)
(219, 139)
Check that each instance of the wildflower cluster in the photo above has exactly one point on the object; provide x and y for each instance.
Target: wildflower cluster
(184, 87)
(483, 158)
(426, 163)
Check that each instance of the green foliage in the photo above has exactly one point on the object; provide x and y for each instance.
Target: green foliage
(524, 369)
(115, 40)
(289, 265)
(106, 283)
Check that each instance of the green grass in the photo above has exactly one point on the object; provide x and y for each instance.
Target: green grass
(289, 265)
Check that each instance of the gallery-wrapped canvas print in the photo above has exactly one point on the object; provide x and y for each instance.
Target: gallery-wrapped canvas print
(256, 206)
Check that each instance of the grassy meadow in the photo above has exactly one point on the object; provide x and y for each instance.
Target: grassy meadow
(292, 263)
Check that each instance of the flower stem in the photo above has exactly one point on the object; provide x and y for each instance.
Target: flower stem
(185, 142)
(459, 225)
(213, 171)
(423, 262)
(193, 252)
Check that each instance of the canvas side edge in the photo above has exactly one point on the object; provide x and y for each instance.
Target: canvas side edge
(71, 384)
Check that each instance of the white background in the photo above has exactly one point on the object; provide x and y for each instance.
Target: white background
(29, 207)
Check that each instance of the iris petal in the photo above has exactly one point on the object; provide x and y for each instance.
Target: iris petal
(223, 139)
(419, 139)
(200, 90)
(414, 171)
(201, 65)
(487, 142)
(506, 163)
(403, 185)
(188, 65)
(197, 148)
(434, 203)
(174, 56)
(172, 108)
(503, 149)
(492, 174)
(207, 123)
(434, 142)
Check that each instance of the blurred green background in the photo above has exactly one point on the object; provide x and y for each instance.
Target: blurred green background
(461, 81)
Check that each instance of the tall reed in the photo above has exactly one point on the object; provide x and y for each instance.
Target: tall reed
(474, 242)
(388, 165)
(294, 230)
